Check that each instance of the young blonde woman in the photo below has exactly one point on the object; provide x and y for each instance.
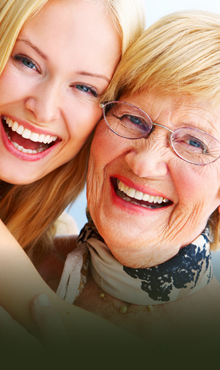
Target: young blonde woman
(56, 57)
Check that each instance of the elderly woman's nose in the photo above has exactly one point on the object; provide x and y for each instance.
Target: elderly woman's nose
(44, 103)
(147, 162)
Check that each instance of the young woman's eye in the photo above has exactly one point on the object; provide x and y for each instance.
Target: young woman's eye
(87, 89)
(27, 62)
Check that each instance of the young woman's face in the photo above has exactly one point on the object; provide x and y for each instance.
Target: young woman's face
(62, 62)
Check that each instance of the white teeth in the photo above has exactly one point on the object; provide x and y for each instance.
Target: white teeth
(165, 200)
(146, 197)
(14, 126)
(122, 186)
(23, 150)
(41, 138)
(9, 122)
(130, 192)
(20, 130)
(46, 139)
(34, 137)
(139, 195)
(27, 134)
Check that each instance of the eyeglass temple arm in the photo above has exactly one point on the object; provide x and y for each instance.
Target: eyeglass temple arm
(158, 124)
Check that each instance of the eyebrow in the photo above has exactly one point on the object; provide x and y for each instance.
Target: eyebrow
(82, 73)
(35, 48)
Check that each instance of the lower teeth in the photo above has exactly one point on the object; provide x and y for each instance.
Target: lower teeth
(22, 149)
(28, 151)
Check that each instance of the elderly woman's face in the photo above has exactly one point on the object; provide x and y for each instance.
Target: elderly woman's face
(145, 233)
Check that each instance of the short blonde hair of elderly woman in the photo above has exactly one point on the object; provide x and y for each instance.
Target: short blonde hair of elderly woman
(179, 54)
(29, 211)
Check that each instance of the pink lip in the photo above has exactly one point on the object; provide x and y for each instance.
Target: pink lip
(23, 156)
(29, 126)
(140, 188)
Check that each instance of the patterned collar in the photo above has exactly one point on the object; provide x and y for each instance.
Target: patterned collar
(187, 272)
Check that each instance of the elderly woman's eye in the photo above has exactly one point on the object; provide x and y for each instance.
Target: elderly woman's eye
(196, 144)
(138, 121)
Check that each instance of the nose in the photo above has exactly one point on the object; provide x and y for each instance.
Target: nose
(44, 102)
(148, 158)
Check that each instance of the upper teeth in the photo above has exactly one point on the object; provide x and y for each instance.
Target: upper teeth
(139, 195)
(27, 134)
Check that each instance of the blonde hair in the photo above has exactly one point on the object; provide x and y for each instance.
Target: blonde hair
(129, 18)
(29, 211)
(179, 54)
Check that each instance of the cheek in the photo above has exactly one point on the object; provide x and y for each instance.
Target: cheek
(106, 146)
(81, 120)
(94, 184)
(99, 148)
(99, 159)
(8, 85)
(91, 115)
(187, 184)
(197, 187)
(14, 86)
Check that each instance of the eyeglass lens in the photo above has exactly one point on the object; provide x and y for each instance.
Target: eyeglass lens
(127, 121)
(190, 144)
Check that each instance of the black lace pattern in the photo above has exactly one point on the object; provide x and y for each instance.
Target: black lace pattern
(179, 272)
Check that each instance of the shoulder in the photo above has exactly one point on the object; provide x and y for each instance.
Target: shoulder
(51, 265)
(66, 225)
(64, 245)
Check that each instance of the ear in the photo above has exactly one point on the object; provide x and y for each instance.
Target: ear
(218, 209)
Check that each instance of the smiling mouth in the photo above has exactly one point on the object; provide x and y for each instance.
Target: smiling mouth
(138, 198)
(24, 140)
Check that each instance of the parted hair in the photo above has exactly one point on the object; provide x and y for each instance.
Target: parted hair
(179, 54)
(29, 211)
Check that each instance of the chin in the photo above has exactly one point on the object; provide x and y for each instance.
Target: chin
(19, 180)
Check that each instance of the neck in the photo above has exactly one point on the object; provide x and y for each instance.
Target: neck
(189, 271)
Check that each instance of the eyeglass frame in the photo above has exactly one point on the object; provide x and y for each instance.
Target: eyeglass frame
(103, 106)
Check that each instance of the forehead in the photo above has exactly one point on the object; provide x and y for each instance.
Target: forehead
(176, 110)
(66, 18)
(81, 30)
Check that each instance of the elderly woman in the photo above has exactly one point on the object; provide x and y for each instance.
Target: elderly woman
(153, 187)
(153, 192)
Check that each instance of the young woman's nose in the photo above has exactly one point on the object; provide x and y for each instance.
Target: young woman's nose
(147, 160)
(44, 102)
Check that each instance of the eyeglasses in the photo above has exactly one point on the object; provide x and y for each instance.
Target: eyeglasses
(190, 144)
